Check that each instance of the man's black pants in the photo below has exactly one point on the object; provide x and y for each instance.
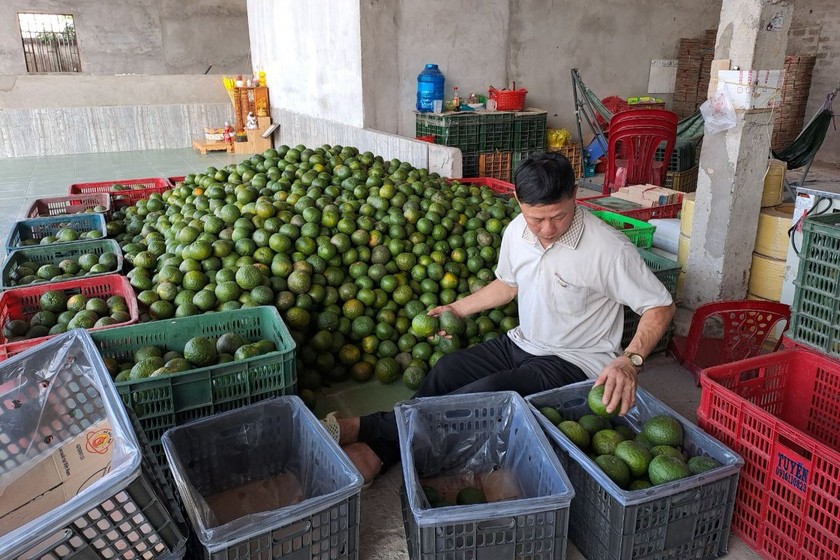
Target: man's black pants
(496, 365)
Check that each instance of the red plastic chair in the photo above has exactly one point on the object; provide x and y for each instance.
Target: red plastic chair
(634, 137)
(742, 330)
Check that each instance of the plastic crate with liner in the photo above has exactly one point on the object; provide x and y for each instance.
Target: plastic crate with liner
(490, 440)
(266, 481)
(58, 398)
(163, 402)
(135, 189)
(35, 229)
(668, 272)
(686, 518)
(780, 412)
(23, 303)
(606, 203)
(68, 205)
(640, 233)
(54, 254)
(815, 313)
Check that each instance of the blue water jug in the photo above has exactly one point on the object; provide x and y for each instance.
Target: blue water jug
(429, 87)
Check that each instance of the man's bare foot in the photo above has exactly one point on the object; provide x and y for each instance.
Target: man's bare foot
(365, 459)
(349, 430)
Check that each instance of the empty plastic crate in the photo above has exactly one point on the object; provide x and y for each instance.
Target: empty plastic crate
(780, 411)
(638, 232)
(68, 205)
(815, 313)
(529, 130)
(58, 404)
(686, 518)
(171, 400)
(668, 272)
(476, 435)
(54, 254)
(23, 303)
(39, 228)
(307, 505)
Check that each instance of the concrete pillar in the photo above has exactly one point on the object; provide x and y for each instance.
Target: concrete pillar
(753, 35)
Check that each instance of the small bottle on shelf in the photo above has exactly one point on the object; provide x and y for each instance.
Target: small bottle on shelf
(456, 99)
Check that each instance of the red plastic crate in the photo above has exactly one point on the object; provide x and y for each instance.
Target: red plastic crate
(67, 205)
(644, 214)
(781, 413)
(496, 185)
(123, 198)
(22, 303)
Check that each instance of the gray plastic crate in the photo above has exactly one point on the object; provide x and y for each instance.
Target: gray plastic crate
(61, 388)
(477, 434)
(254, 443)
(687, 518)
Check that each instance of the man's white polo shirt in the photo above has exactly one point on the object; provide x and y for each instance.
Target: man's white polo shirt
(570, 295)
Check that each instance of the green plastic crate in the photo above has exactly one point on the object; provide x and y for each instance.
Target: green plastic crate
(529, 131)
(495, 132)
(163, 402)
(519, 157)
(457, 130)
(54, 254)
(640, 233)
(668, 272)
(815, 313)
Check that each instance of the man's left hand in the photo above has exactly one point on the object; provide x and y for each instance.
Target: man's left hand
(619, 379)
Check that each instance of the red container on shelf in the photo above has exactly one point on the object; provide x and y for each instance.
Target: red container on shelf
(139, 189)
(781, 413)
(508, 99)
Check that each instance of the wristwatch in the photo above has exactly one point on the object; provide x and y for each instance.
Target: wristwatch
(636, 359)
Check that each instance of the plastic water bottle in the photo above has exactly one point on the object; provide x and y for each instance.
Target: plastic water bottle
(429, 87)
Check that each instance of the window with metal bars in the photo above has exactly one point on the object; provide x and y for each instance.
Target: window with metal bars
(49, 42)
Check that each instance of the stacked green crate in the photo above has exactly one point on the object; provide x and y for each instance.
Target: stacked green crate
(456, 130)
(528, 136)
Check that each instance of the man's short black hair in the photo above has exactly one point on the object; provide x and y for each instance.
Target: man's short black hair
(544, 179)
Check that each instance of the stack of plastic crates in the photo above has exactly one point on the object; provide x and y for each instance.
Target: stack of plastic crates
(60, 419)
(266, 481)
(488, 440)
(686, 518)
(815, 313)
(668, 272)
(780, 411)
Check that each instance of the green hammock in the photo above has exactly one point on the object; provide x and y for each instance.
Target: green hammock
(808, 142)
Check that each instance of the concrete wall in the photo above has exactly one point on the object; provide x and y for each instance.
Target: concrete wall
(311, 52)
(140, 36)
(815, 30)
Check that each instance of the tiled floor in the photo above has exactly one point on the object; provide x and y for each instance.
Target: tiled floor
(382, 536)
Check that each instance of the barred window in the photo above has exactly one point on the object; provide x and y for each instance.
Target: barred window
(49, 42)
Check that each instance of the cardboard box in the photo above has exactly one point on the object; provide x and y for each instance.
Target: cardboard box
(752, 89)
(57, 478)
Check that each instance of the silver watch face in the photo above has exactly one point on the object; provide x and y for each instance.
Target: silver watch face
(635, 359)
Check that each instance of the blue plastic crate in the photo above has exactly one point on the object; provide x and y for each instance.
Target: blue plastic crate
(254, 444)
(474, 436)
(38, 228)
(687, 518)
